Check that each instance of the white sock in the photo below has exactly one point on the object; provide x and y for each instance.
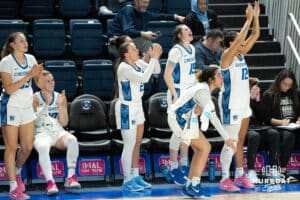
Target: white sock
(134, 172)
(188, 182)
(239, 171)
(184, 161)
(226, 158)
(18, 170)
(129, 138)
(12, 185)
(71, 144)
(195, 181)
(174, 164)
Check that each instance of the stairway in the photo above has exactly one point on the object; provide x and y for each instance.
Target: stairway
(265, 59)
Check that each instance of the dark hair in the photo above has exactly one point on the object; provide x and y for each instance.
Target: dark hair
(207, 74)
(229, 37)
(177, 32)
(7, 49)
(275, 92)
(214, 34)
(120, 40)
(122, 50)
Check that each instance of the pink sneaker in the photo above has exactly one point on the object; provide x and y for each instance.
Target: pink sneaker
(20, 183)
(51, 188)
(243, 182)
(72, 183)
(228, 185)
(18, 195)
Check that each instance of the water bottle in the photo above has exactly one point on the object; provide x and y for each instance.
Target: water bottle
(166, 173)
(211, 170)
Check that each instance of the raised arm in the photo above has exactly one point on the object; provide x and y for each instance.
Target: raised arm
(255, 30)
(230, 51)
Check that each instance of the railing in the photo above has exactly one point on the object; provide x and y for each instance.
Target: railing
(284, 19)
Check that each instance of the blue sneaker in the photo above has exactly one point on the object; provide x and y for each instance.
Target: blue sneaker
(140, 181)
(184, 170)
(195, 191)
(166, 173)
(132, 186)
(178, 177)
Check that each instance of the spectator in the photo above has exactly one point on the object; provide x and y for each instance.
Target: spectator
(52, 110)
(210, 50)
(201, 20)
(282, 106)
(132, 21)
(17, 117)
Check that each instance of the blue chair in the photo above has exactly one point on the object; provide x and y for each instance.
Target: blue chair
(37, 9)
(180, 7)
(65, 76)
(98, 78)
(167, 32)
(86, 37)
(9, 9)
(74, 8)
(9, 26)
(48, 37)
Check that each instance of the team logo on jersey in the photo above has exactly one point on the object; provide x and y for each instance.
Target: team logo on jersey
(86, 104)
(12, 118)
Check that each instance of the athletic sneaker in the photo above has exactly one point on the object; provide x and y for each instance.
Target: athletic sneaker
(140, 181)
(166, 173)
(184, 170)
(252, 176)
(132, 186)
(71, 184)
(195, 191)
(243, 181)
(20, 183)
(229, 186)
(178, 177)
(18, 195)
(51, 188)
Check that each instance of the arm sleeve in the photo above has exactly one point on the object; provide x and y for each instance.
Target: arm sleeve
(160, 16)
(144, 65)
(144, 77)
(267, 104)
(128, 26)
(174, 55)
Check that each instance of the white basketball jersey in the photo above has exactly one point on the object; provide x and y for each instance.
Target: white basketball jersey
(53, 108)
(185, 69)
(235, 94)
(23, 97)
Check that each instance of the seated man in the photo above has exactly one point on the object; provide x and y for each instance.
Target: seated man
(209, 50)
(132, 21)
(52, 115)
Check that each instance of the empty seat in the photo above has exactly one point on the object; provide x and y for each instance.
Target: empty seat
(74, 8)
(167, 32)
(86, 37)
(48, 37)
(98, 78)
(180, 7)
(9, 26)
(65, 76)
(9, 9)
(37, 9)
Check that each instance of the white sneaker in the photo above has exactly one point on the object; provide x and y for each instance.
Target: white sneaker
(105, 11)
(121, 1)
(252, 176)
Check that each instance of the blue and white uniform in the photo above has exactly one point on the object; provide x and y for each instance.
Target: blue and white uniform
(47, 125)
(234, 98)
(128, 108)
(181, 111)
(17, 108)
(185, 68)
